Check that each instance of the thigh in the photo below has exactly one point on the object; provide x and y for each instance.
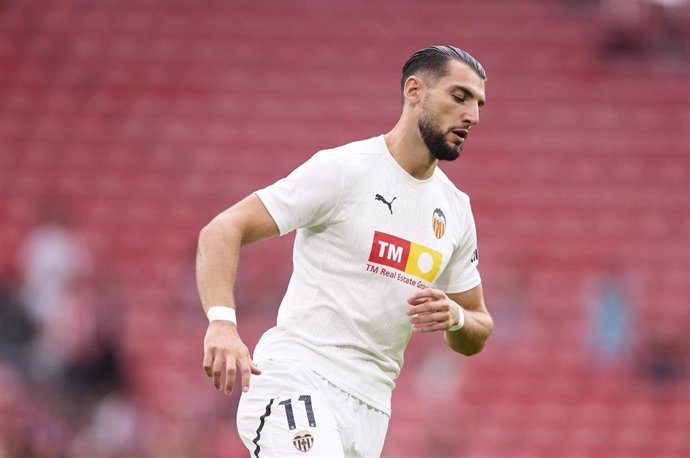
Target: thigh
(372, 432)
(285, 414)
(362, 428)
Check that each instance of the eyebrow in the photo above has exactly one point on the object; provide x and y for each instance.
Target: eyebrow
(468, 93)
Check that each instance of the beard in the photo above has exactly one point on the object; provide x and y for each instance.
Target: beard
(435, 140)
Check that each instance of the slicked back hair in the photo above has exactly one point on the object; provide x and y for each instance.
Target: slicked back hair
(433, 60)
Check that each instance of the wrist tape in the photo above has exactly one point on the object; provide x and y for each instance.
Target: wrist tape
(221, 313)
(461, 319)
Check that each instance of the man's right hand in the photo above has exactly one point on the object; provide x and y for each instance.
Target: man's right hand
(223, 348)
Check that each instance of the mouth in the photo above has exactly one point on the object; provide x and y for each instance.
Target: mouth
(461, 134)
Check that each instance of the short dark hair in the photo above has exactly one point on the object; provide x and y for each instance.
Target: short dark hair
(434, 60)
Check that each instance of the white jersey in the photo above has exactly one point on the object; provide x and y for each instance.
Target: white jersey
(368, 236)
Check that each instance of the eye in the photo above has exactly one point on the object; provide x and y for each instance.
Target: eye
(459, 98)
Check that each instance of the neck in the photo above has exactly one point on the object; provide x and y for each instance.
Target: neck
(409, 150)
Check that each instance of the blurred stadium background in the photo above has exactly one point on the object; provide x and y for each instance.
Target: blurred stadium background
(126, 125)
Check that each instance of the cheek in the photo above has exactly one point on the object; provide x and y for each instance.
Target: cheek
(450, 111)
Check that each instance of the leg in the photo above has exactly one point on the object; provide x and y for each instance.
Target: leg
(371, 430)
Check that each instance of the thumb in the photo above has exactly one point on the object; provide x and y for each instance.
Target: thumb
(255, 370)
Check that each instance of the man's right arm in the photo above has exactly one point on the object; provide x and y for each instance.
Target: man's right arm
(218, 251)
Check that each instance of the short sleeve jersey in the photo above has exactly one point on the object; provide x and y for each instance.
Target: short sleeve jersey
(368, 236)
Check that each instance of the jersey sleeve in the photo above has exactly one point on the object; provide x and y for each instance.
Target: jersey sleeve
(461, 273)
(308, 196)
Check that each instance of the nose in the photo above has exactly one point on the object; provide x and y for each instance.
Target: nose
(471, 115)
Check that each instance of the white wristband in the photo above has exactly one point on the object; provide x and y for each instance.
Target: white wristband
(461, 319)
(221, 313)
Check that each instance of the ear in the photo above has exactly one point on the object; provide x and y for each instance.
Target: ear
(413, 90)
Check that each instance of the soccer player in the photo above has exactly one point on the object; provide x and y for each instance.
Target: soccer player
(385, 245)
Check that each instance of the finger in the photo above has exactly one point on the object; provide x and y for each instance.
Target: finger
(425, 294)
(230, 370)
(419, 327)
(433, 327)
(245, 373)
(429, 306)
(208, 362)
(255, 369)
(216, 372)
(416, 299)
(422, 308)
(440, 317)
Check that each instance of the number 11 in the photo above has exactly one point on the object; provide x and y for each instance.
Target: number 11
(291, 416)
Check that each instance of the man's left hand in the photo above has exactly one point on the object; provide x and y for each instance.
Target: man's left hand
(432, 310)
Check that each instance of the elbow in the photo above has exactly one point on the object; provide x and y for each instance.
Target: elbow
(206, 232)
(203, 233)
(473, 349)
(220, 226)
(211, 235)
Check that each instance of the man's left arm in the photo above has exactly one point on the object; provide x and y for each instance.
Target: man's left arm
(433, 310)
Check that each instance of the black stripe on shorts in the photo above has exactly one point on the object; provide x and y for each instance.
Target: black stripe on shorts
(262, 419)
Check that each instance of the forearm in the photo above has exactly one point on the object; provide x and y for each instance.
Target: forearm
(472, 337)
(216, 267)
(216, 263)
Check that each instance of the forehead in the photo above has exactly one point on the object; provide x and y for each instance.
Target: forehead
(460, 75)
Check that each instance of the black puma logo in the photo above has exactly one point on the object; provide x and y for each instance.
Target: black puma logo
(389, 204)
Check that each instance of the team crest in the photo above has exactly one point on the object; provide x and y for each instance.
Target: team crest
(303, 441)
(439, 223)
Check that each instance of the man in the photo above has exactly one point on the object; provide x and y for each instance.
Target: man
(385, 245)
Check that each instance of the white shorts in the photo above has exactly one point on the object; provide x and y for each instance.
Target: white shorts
(290, 410)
